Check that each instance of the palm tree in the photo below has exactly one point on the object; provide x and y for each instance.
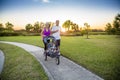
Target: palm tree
(75, 26)
(67, 24)
(87, 29)
(9, 27)
(64, 25)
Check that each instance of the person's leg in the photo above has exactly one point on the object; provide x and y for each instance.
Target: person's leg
(45, 45)
(58, 45)
(45, 50)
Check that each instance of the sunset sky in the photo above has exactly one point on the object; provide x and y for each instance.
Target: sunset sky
(95, 12)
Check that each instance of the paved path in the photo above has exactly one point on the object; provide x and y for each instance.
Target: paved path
(67, 70)
(1, 61)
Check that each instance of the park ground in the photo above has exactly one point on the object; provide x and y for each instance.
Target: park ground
(99, 54)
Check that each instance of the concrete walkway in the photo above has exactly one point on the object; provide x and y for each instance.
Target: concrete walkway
(1, 61)
(67, 70)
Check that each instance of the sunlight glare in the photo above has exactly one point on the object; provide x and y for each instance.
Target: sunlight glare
(63, 29)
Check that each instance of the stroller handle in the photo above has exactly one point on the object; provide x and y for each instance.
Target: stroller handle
(48, 38)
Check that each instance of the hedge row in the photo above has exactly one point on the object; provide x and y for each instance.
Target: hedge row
(9, 34)
(62, 34)
(18, 34)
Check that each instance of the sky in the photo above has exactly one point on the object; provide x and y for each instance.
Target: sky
(97, 13)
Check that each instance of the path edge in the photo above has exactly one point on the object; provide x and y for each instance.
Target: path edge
(3, 61)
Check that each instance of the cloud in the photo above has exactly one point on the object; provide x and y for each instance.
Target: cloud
(46, 1)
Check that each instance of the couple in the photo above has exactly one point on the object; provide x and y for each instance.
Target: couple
(54, 31)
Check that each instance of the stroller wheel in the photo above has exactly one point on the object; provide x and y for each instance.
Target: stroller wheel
(57, 60)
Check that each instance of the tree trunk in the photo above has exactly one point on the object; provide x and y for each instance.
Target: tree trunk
(87, 35)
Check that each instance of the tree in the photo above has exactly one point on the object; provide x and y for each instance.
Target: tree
(41, 26)
(115, 29)
(108, 28)
(1, 27)
(67, 24)
(116, 24)
(29, 27)
(74, 26)
(9, 27)
(37, 27)
(87, 29)
(51, 24)
(64, 26)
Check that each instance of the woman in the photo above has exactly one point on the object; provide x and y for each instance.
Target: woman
(45, 33)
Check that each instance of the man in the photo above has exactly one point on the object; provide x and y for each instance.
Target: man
(57, 34)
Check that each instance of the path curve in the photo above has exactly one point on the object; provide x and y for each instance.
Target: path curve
(67, 70)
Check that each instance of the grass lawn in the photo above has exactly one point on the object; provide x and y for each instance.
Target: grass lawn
(100, 54)
(20, 65)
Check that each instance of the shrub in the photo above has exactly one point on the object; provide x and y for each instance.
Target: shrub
(9, 34)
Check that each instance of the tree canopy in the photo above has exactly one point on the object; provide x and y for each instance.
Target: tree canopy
(115, 28)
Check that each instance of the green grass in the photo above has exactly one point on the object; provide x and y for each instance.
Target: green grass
(20, 65)
(100, 54)
(35, 40)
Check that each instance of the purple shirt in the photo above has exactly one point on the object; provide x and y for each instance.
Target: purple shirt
(46, 33)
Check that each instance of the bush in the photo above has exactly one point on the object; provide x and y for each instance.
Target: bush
(97, 33)
(71, 34)
(9, 34)
(30, 34)
(18, 34)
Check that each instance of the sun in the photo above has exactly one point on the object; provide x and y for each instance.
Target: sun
(63, 30)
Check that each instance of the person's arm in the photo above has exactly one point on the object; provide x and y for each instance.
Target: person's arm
(54, 31)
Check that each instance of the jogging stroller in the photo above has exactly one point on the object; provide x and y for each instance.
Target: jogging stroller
(52, 49)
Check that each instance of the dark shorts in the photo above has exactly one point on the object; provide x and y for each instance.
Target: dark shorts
(58, 42)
